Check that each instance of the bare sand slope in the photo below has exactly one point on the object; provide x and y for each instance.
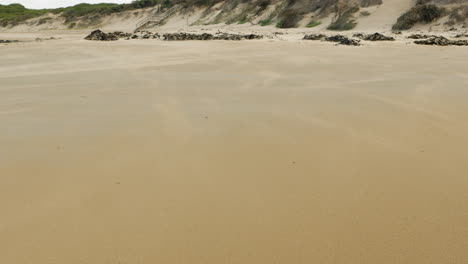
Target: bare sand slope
(384, 16)
(232, 152)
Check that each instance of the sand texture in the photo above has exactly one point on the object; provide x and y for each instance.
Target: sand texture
(261, 152)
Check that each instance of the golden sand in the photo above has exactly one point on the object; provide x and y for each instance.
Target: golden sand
(137, 152)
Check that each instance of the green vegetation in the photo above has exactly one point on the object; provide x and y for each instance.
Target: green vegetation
(313, 24)
(345, 21)
(419, 14)
(80, 10)
(16, 13)
(190, 3)
(243, 20)
(266, 22)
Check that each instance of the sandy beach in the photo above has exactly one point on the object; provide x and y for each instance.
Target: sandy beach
(262, 152)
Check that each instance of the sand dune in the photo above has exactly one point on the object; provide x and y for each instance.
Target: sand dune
(232, 152)
(372, 15)
(384, 16)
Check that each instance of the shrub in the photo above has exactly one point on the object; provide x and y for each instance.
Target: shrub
(419, 14)
(263, 4)
(243, 20)
(87, 9)
(15, 13)
(265, 22)
(422, 2)
(289, 18)
(345, 21)
(192, 3)
(44, 20)
(143, 4)
(313, 24)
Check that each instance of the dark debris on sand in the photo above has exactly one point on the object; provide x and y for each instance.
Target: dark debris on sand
(112, 36)
(208, 36)
(420, 36)
(98, 35)
(442, 41)
(339, 39)
(142, 35)
(6, 41)
(343, 40)
(102, 36)
(314, 37)
(373, 37)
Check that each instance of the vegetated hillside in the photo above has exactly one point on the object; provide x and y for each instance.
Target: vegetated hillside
(15, 14)
(329, 14)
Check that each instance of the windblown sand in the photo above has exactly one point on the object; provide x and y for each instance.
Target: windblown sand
(136, 152)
